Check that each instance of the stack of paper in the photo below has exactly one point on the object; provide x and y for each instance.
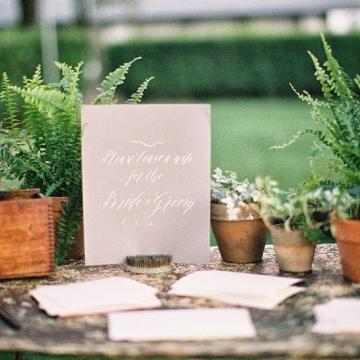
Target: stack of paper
(186, 325)
(259, 291)
(94, 297)
(338, 316)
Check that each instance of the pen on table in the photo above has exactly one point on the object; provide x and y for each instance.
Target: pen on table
(9, 319)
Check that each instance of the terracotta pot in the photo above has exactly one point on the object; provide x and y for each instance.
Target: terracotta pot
(347, 235)
(77, 249)
(240, 233)
(294, 253)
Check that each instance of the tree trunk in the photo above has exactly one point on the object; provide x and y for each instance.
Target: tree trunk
(27, 12)
(82, 16)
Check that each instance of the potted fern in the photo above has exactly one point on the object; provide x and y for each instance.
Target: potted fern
(337, 119)
(337, 138)
(345, 227)
(297, 220)
(238, 228)
(40, 140)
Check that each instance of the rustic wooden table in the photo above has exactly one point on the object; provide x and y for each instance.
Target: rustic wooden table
(282, 333)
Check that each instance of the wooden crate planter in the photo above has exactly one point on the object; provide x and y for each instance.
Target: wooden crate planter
(26, 235)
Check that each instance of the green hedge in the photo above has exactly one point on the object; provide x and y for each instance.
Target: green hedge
(20, 50)
(254, 66)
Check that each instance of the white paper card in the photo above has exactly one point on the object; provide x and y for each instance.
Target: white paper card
(338, 316)
(95, 296)
(181, 325)
(146, 187)
(253, 290)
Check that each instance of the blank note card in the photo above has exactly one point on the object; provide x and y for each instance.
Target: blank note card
(181, 325)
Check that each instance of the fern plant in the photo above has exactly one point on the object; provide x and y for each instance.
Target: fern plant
(337, 114)
(40, 138)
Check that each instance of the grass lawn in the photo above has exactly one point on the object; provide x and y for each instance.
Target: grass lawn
(242, 132)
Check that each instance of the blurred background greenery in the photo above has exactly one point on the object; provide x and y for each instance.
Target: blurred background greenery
(237, 55)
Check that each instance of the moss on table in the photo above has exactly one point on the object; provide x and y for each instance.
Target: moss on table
(282, 332)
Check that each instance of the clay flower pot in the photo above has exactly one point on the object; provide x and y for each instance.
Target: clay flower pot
(294, 253)
(240, 233)
(76, 250)
(347, 235)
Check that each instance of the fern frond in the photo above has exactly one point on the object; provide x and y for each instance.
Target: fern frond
(70, 76)
(137, 96)
(8, 97)
(53, 187)
(111, 82)
(307, 98)
(357, 81)
(317, 133)
(46, 100)
(339, 83)
(322, 77)
(35, 80)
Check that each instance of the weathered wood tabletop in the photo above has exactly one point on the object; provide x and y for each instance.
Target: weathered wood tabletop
(282, 333)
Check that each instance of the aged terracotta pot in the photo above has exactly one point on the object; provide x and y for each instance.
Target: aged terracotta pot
(294, 253)
(77, 249)
(347, 235)
(240, 233)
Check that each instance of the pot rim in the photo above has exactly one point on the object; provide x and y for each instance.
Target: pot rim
(297, 237)
(334, 217)
(245, 213)
(61, 198)
(282, 229)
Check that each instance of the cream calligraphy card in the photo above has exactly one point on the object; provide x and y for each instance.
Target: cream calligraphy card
(146, 187)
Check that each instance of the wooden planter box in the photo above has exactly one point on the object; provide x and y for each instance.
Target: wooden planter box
(26, 235)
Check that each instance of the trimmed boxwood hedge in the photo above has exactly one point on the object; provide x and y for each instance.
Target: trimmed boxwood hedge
(246, 66)
(238, 66)
(20, 50)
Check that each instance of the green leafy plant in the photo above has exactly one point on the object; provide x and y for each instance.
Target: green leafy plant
(337, 140)
(40, 138)
(227, 189)
(348, 204)
(296, 209)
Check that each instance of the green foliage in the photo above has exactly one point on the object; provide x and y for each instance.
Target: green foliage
(111, 82)
(68, 226)
(348, 204)
(236, 66)
(337, 140)
(296, 209)
(8, 97)
(227, 189)
(21, 51)
(43, 149)
(137, 96)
